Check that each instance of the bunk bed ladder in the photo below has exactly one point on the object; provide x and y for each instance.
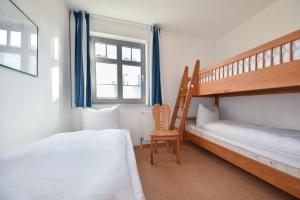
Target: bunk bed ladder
(188, 88)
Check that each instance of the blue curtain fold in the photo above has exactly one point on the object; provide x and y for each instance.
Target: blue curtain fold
(88, 64)
(156, 82)
(82, 92)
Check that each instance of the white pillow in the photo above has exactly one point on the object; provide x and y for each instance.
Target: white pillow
(104, 118)
(207, 114)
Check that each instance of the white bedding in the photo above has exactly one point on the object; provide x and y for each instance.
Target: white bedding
(83, 165)
(278, 144)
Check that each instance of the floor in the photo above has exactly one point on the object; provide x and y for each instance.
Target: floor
(201, 175)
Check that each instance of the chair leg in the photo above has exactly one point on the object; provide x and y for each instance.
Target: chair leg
(174, 147)
(151, 152)
(178, 150)
(155, 146)
(168, 146)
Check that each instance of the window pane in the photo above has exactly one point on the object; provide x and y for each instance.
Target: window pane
(131, 92)
(107, 91)
(111, 51)
(136, 55)
(32, 65)
(100, 50)
(11, 60)
(33, 41)
(126, 53)
(3, 37)
(106, 81)
(15, 39)
(131, 82)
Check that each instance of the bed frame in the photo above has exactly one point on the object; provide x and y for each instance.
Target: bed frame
(273, 67)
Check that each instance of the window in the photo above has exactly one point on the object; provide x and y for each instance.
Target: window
(118, 71)
(15, 39)
(33, 41)
(3, 37)
(12, 60)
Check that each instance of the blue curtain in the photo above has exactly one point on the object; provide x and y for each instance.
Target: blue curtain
(88, 63)
(156, 84)
(82, 91)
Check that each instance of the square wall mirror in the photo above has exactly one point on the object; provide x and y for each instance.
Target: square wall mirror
(18, 39)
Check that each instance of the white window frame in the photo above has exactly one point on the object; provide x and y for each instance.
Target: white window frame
(119, 63)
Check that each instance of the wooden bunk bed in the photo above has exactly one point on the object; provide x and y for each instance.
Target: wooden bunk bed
(273, 67)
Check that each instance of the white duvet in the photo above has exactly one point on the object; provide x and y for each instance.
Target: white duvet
(282, 145)
(84, 165)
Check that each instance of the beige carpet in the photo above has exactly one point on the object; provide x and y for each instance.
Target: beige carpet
(201, 175)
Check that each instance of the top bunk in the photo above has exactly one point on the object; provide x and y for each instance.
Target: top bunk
(269, 68)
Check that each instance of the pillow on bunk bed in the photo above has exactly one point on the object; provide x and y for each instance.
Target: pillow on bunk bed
(99, 119)
(206, 114)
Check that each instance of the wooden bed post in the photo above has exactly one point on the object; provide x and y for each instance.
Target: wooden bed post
(216, 100)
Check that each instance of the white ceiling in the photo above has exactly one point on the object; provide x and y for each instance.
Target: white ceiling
(197, 17)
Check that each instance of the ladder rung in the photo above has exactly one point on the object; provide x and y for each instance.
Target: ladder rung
(178, 117)
(175, 128)
(190, 78)
(180, 106)
(183, 95)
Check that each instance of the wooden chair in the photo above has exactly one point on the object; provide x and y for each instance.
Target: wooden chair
(161, 115)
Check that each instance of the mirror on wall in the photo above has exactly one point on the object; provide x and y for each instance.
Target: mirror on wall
(18, 39)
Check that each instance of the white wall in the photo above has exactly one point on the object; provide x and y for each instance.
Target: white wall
(33, 108)
(176, 51)
(281, 110)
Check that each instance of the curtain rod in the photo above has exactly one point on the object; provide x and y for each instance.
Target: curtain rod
(121, 20)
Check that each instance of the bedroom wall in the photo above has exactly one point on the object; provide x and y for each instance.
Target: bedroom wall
(280, 110)
(33, 108)
(177, 50)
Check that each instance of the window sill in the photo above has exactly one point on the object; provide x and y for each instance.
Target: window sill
(120, 103)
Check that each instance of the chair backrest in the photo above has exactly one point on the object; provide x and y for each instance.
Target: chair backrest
(161, 116)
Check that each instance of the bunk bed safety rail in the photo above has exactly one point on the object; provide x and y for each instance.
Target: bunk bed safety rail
(280, 51)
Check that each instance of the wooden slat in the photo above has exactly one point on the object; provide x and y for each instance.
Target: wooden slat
(291, 51)
(271, 175)
(280, 54)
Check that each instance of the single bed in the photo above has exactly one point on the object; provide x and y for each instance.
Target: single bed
(268, 153)
(277, 148)
(83, 165)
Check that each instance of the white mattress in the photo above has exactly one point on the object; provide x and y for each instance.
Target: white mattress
(83, 165)
(279, 148)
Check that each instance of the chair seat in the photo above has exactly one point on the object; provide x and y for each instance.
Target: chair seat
(164, 133)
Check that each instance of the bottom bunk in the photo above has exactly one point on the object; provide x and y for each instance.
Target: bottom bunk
(268, 153)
